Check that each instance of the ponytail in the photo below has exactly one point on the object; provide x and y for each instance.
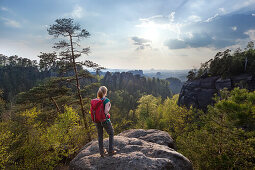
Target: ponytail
(101, 92)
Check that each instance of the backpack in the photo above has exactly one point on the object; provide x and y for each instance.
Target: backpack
(97, 110)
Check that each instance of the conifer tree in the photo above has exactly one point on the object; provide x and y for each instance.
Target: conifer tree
(69, 51)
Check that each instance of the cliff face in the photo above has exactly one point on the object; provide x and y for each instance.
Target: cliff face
(199, 93)
(137, 149)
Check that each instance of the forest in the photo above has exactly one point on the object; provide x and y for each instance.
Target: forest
(45, 120)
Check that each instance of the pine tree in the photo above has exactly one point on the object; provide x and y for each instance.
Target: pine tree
(66, 60)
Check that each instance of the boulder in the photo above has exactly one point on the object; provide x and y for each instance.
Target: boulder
(136, 149)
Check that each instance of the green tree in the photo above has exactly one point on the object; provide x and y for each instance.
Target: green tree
(147, 111)
(66, 60)
(27, 144)
(192, 74)
(7, 139)
(226, 64)
(3, 60)
(223, 141)
(50, 96)
(19, 76)
(174, 119)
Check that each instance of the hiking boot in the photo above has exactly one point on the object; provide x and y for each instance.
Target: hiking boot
(112, 153)
(103, 155)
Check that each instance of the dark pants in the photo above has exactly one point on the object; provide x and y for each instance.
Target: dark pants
(108, 127)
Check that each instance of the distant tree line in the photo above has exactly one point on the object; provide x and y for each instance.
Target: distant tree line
(16, 61)
(18, 74)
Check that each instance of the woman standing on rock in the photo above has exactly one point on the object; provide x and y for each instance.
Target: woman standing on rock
(107, 125)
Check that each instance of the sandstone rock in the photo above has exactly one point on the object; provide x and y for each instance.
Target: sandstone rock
(200, 92)
(192, 84)
(223, 83)
(151, 135)
(208, 83)
(251, 84)
(190, 99)
(205, 96)
(242, 80)
(238, 78)
(135, 150)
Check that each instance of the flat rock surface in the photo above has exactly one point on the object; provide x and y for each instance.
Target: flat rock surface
(136, 149)
(151, 135)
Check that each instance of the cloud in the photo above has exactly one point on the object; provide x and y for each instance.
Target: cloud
(197, 40)
(171, 16)
(4, 9)
(222, 10)
(161, 23)
(7, 10)
(141, 43)
(222, 29)
(153, 18)
(11, 23)
(225, 30)
(77, 12)
(234, 28)
(194, 18)
(176, 44)
(243, 4)
(251, 34)
(159, 19)
(211, 18)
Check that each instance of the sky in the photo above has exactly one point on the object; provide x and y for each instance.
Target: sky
(132, 34)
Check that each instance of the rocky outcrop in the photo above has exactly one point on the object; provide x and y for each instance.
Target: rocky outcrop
(199, 93)
(136, 72)
(136, 149)
(119, 80)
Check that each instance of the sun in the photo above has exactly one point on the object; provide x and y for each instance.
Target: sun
(150, 32)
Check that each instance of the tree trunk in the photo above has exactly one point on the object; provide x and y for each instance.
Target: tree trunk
(78, 88)
(55, 103)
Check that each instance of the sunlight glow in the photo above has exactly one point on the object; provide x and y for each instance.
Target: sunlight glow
(150, 31)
